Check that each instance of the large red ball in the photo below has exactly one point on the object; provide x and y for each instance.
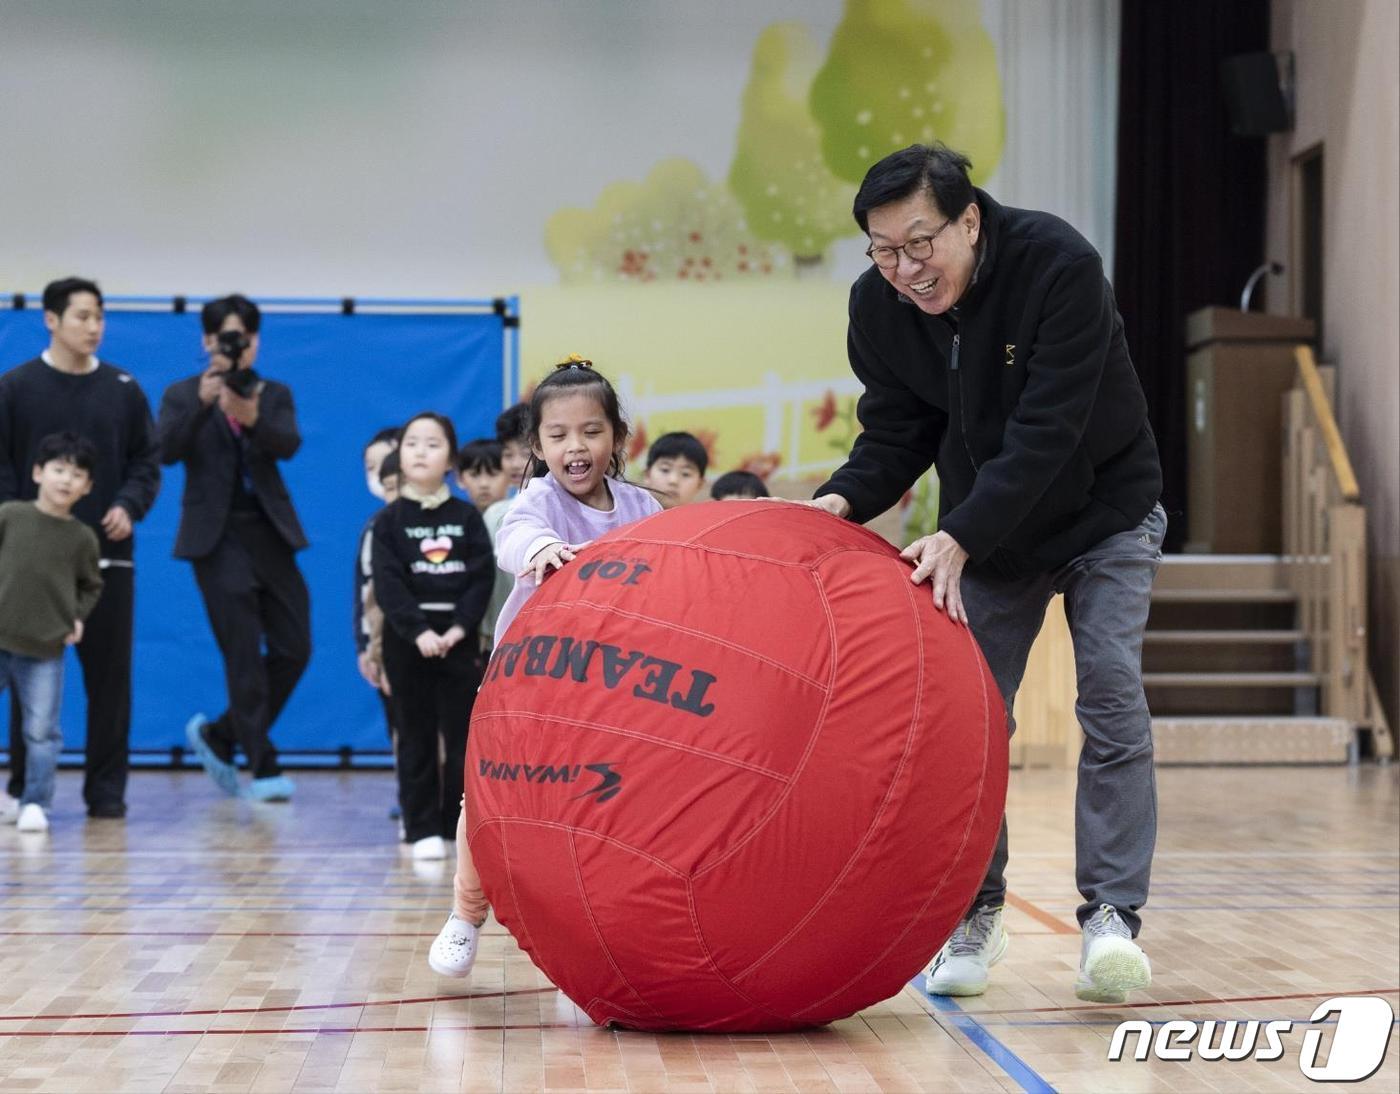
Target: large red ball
(731, 770)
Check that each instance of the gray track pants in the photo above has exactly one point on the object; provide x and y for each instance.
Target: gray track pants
(1106, 592)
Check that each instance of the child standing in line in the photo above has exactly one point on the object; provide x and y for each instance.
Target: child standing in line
(374, 615)
(513, 435)
(432, 572)
(379, 453)
(380, 447)
(676, 464)
(578, 434)
(480, 474)
(49, 583)
(738, 485)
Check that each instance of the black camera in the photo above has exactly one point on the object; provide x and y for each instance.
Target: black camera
(243, 382)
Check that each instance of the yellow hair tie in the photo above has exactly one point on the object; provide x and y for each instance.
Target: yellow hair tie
(574, 360)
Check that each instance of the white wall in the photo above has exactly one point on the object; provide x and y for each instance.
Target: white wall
(1348, 100)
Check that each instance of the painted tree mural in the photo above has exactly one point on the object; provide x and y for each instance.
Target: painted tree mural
(675, 225)
(901, 72)
(778, 173)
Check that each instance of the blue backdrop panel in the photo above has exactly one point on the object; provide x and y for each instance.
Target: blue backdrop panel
(350, 376)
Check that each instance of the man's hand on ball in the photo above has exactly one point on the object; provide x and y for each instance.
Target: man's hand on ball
(941, 558)
(547, 558)
(834, 504)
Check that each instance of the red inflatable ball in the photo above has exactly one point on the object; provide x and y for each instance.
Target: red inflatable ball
(730, 770)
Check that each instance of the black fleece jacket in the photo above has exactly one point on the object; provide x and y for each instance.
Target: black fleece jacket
(108, 407)
(1023, 396)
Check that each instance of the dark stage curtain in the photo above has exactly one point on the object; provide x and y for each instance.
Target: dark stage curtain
(1191, 207)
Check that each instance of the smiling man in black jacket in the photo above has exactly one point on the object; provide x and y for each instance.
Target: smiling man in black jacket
(990, 346)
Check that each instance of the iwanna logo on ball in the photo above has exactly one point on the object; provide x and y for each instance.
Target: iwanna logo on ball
(608, 786)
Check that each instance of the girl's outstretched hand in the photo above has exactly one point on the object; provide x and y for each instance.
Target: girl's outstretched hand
(551, 557)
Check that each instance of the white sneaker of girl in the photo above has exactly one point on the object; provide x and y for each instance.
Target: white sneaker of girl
(431, 847)
(454, 950)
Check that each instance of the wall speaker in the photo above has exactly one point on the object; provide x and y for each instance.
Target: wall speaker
(1258, 93)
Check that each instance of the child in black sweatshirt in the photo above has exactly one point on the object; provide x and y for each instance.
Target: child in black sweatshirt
(433, 573)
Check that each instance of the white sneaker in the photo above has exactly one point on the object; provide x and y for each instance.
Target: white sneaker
(1110, 964)
(32, 819)
(453, 952)
(960, 967)
(9, 808)
(430, 848)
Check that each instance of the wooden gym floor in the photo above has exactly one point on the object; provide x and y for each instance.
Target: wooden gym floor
(213, 945)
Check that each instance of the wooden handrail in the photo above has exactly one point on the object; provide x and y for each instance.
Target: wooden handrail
(1324, 543)
(1327, 423)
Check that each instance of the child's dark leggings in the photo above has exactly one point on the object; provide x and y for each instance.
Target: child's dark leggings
(432, 698)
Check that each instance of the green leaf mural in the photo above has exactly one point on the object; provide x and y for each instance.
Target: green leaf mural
(675, 225)
(920, 507)
(901, 72)
(778, 173)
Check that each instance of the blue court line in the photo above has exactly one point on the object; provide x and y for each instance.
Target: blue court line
(998, 1053)
(1297, 1022)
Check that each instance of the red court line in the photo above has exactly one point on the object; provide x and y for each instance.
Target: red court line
(1204, 1001)
(1044, 918)
(294, 1029)
(275, 1010)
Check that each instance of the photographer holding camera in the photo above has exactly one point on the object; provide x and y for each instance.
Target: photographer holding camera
(229, 427)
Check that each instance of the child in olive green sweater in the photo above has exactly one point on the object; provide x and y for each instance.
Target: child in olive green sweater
(49, 583)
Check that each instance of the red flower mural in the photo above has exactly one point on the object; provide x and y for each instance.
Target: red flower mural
(707, 437)
(825, 414)
(638, 444)
(761, 464)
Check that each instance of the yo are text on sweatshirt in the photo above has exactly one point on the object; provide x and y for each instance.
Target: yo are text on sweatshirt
(544, 513)
(434, 561)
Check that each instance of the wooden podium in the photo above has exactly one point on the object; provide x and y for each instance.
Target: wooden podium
(1238, 366)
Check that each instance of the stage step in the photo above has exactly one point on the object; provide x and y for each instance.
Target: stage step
(1222, 596)
(1223, 637)
(1222, 572)
(1253, 740)
(1231, 679)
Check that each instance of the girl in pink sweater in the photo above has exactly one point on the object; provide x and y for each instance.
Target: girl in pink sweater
(578, 434)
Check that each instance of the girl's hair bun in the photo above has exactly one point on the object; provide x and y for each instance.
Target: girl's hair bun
(574, 360)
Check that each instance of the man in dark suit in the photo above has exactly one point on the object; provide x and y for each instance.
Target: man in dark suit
(237, 525)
